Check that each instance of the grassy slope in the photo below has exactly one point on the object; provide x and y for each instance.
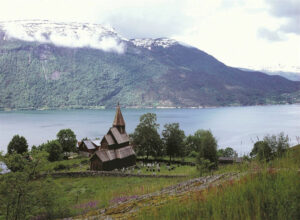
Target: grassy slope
(263, 194)
(80, 192)
(269, 191)
(84, 194)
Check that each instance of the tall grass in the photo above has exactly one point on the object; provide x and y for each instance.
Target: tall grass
(264, 195)
(269, 190)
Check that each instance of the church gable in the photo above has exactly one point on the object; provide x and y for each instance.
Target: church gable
(120, 138)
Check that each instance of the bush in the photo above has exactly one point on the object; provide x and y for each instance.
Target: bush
(61, 167)
(84, 162)
(204, 165)
(54, 149)
(23, 195)
(227, 152)
(193, 154)
(271, 147)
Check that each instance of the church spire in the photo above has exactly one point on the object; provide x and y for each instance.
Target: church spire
(119, 122)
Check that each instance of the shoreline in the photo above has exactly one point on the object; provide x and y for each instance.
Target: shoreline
(138, 107)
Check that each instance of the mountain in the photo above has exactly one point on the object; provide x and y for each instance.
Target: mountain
(288, 72)
(71, 65)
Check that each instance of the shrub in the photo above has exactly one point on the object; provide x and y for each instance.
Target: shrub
(193, 154)
(61, 167)
(54, 149)
(270, 147)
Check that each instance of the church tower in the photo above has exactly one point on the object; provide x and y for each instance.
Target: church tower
(119, 122)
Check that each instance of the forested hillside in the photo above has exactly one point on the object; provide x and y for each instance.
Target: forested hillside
(160, 72)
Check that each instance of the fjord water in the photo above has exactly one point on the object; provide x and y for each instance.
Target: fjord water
(236, 127)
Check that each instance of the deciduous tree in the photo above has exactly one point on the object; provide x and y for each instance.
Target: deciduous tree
(54, 149)
(207, 146)
(173, 138)
(227, 152)
(18, 145)
(146, 139)
(22, 196)
(67, 140)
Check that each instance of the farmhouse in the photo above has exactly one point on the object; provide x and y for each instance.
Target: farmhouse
(115, 151)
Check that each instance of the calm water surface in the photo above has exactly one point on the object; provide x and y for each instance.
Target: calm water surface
(237, 127)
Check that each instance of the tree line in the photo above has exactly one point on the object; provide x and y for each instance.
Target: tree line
(173, 142)
(64, 143)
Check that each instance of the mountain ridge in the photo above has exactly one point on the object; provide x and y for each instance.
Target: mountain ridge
(144, 72)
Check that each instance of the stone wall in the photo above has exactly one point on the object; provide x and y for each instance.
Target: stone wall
(107, 173)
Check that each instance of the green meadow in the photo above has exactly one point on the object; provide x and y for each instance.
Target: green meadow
(266, 191)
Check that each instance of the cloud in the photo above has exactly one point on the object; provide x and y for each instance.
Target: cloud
(292, 26)
(269, 35)
(67, 35)
(131, 18)
(288, 9)
(230, 30)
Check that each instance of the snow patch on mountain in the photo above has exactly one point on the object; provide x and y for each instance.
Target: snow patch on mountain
(65, 34)
(289, 72)
(149, 43)
(276, 68)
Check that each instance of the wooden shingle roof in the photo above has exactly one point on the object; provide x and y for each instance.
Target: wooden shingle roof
(109, 139)
(89, 144)
(119, 120)
(107, 155)
(118, 136)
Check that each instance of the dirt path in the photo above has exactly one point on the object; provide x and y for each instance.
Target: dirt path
(128, 209)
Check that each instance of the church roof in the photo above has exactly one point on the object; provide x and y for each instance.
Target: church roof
(109, 139)
(118, 136)
(115, 137)
(107, 155)
(89, 144)
(119, 120)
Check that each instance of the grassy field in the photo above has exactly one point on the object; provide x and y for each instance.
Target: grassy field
(82, 164)
(85, 194)
(76, 164)
(268, 191)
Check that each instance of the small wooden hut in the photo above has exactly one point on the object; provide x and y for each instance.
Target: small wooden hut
(115, 151)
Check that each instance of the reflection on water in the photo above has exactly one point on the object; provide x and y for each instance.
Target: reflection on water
(237, 127)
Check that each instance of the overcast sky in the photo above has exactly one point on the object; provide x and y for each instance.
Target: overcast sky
(240, 33)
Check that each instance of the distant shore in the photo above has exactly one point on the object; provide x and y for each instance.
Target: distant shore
(134, 107)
